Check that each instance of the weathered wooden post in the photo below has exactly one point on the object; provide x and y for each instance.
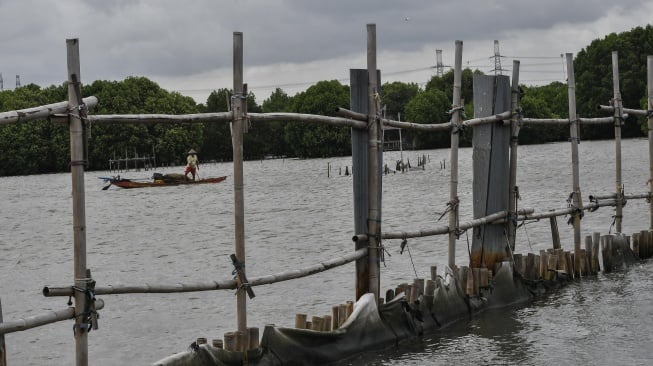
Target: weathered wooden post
(515, 124)
(455, 137)
(237, 141)
(77, 163)
(491, 169)
(649, 74)
(618, 121)
(573, 130)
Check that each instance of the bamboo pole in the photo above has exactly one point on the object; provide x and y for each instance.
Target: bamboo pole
(239, 199)
(34, 321)
(453, 181)
(44, 111)
(214, 285)
(77, 162)
(629, 111)
(565, 121)
(375, 145)
(507, 115)
(515, 124)
(649, 77)
(3, 347)
(618, 121)
(573, 129)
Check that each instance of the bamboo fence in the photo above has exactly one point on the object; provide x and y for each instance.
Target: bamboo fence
(75, 112)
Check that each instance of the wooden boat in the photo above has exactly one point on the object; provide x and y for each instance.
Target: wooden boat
(157, 181)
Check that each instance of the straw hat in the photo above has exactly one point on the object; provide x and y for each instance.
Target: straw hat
(192, 152)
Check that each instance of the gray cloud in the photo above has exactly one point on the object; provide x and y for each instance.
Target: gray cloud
(180, 39)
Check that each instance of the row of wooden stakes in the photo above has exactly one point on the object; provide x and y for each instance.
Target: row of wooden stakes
(235, 341)
(339, 315)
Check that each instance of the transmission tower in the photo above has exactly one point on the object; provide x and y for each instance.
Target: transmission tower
(497, 59)
(17, 81)
(2, 85)
(439, 66)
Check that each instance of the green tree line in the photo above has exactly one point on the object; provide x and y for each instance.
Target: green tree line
(42, 146)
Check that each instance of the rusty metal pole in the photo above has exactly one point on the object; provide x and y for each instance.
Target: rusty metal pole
(455, 138)
(239, 200)
(375, 145)
(77, 163)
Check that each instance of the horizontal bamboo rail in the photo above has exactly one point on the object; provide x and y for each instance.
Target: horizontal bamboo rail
(444, 229)
(425, 126)
(223, 117)
(499, 218)
(214, 285)
(161, 118)
(44, 111)
(565, 121)
(634, 112)
(38, 320)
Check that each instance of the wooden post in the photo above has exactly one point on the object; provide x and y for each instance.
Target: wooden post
(237, 145)
(515, 124)
(573, 129)
(77, 163)
(3, 348)
(618, 121)
(491, 165)
(555, 234)
(335, 317)
(230, 341)
(300, 321)
(455, 137)
(649, 77)
(375, 144)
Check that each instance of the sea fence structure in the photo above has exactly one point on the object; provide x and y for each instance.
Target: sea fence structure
(492, 254)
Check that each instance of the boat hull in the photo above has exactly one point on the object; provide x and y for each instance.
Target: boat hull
(128, 184)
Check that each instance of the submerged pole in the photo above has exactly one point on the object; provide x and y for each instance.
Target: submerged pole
(455, 134)
(374, 146)
(77, 163)
(573, 130)
(618, 121)
(515, 124)
(649, 74)
(237, 142)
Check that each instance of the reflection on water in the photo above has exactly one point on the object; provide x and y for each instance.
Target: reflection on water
(296, 216)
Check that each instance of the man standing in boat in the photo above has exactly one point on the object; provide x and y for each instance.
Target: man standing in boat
(192, 164)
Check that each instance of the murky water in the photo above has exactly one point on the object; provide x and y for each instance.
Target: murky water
(296, 216)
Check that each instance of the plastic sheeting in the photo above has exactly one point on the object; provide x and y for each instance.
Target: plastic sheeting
(370, 327)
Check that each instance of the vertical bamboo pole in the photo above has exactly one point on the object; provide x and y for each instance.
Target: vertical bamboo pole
(618, 121)
(455, 134)
(237, 142)
(573, 129)
(515, 124)
(3, 348)
(375, 144)
(79, 215)
(649, 75)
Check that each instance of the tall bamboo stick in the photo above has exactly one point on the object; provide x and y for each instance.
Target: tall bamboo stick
(34, 321)
(514, 143)
(649, 74)
(77, 163)
(618, 120)
(239, 199)
(453, 181)
(573, 131)
(3, 349)
(375, 144)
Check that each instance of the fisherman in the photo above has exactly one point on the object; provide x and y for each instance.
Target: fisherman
(192, 164)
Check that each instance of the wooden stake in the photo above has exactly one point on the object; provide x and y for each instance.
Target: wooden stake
(300, 321)
(649, 78)
(335, 317)
(618, 121)
(3, 348)
(230, 341)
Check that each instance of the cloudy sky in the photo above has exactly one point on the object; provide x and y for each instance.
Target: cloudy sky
(187, 45)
